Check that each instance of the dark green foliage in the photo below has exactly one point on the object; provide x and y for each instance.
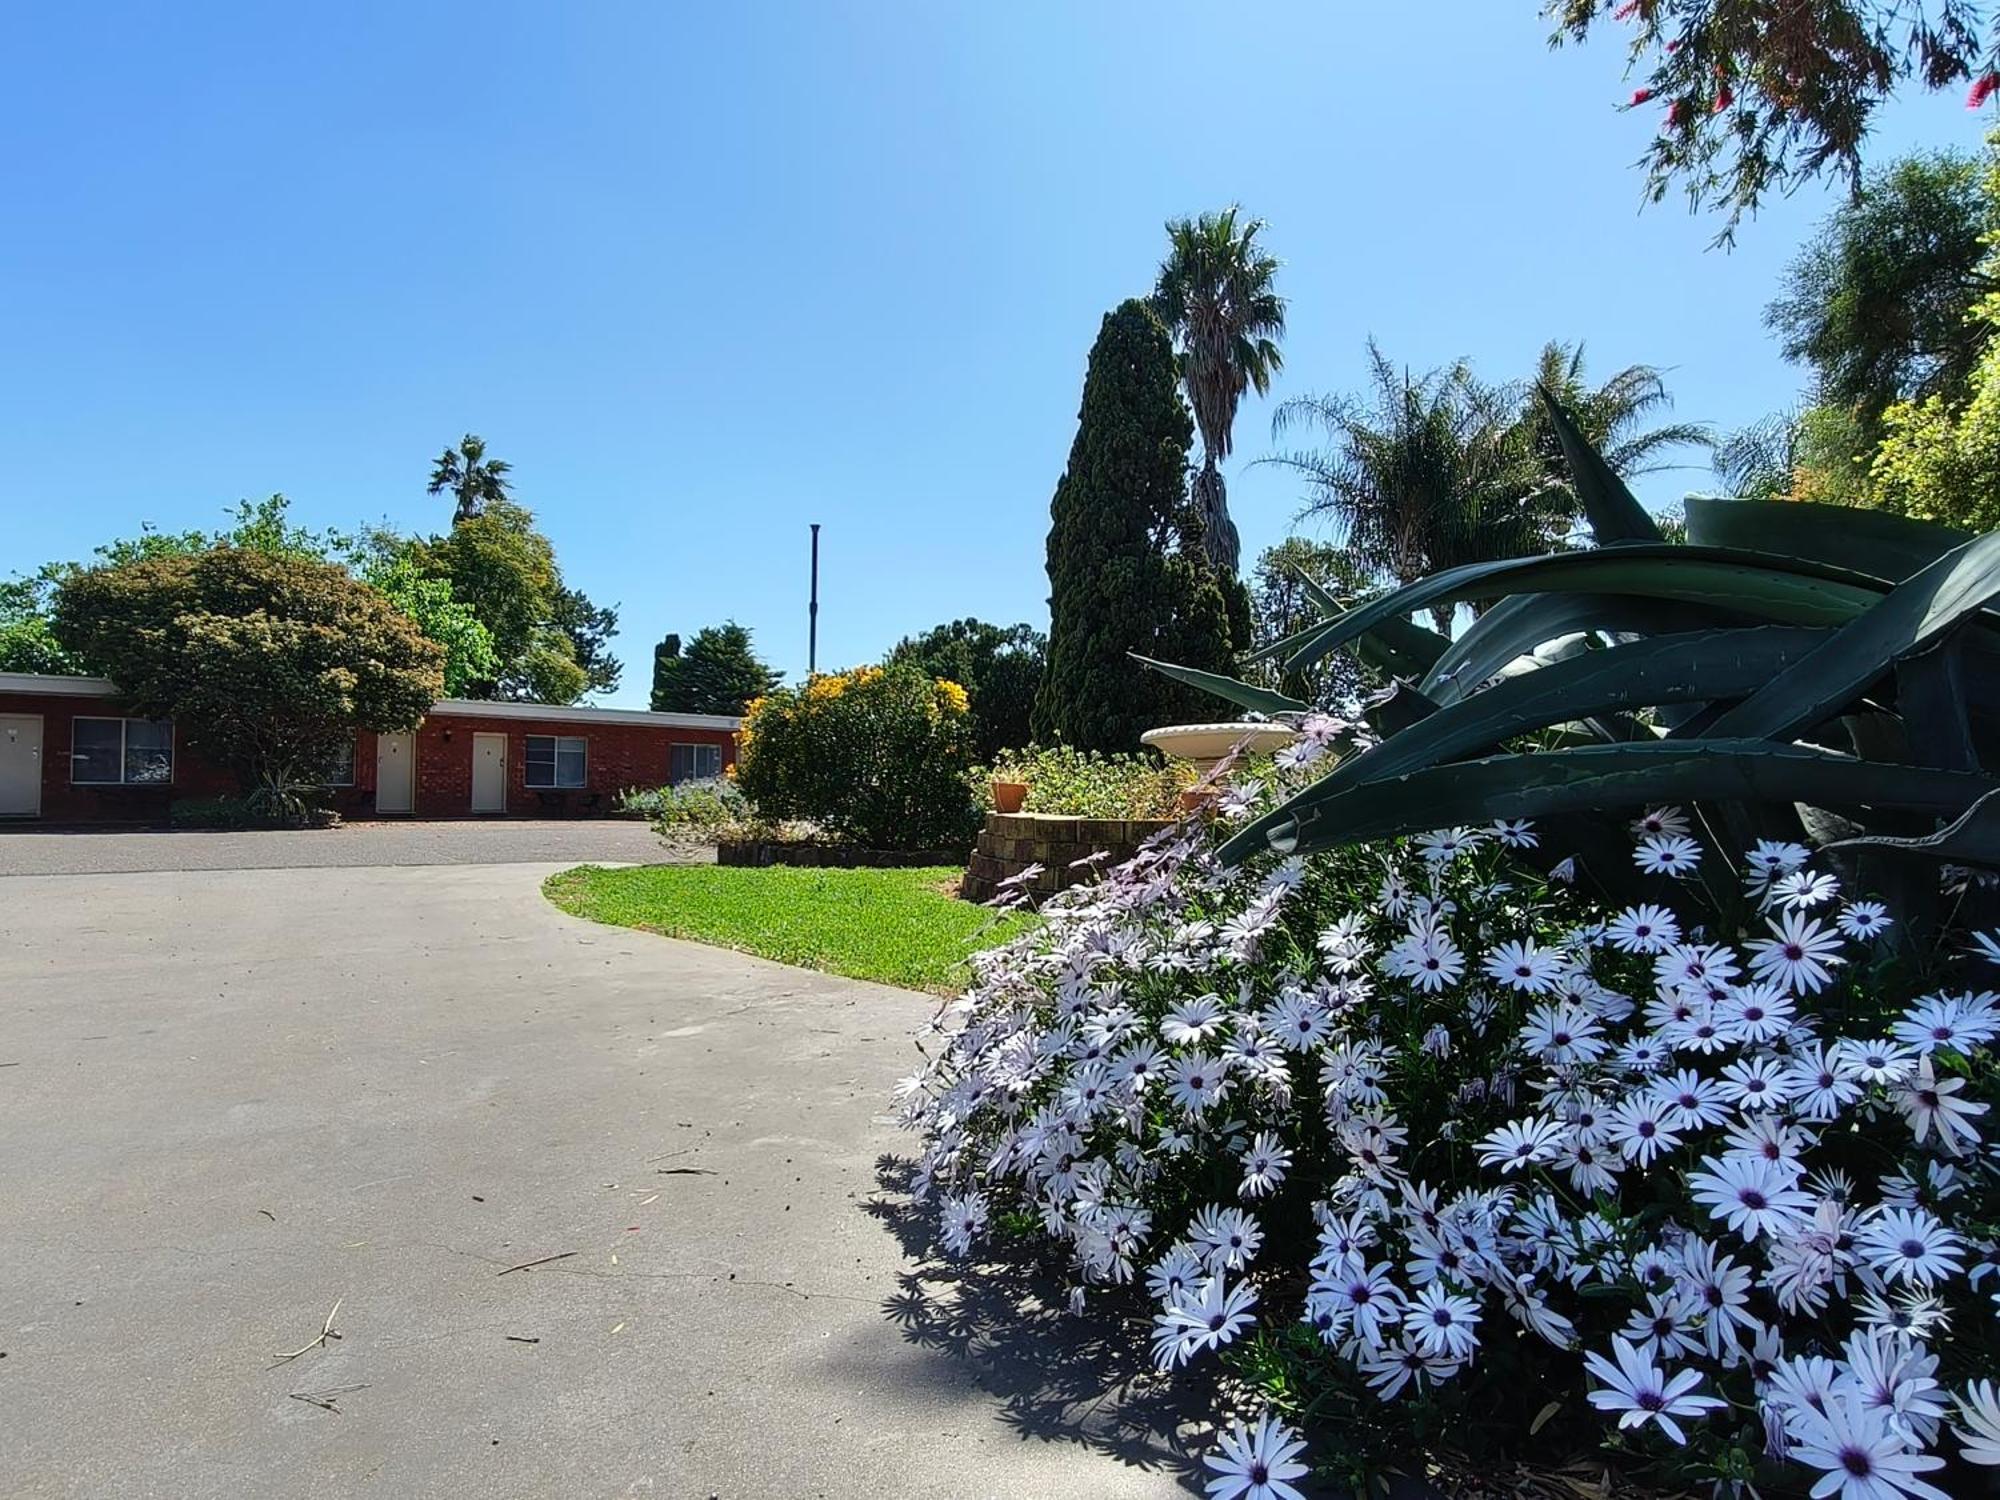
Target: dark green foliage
(27, 641)
(267, 664)
(875, 757)
(1126, 572)
(1875, 303)
(1787, 663)
(589, 628)
(718, 673)
(1000, 668)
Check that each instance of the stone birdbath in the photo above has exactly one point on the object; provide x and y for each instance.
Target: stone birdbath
(1206, 744)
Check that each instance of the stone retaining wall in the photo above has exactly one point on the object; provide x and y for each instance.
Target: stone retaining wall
(1011, 842)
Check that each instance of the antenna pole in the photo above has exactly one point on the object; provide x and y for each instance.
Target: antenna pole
(812, 610)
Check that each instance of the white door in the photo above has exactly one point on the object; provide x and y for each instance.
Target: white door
(395, 773)
(20, 765)
(489, 773)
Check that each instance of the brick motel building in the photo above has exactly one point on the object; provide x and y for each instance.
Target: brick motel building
(70, 754)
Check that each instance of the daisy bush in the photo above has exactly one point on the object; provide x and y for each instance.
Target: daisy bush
(1442, 1160)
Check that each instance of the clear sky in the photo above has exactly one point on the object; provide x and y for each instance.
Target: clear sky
(704, 274)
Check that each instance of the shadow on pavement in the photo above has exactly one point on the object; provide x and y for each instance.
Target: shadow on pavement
(1059, 1378)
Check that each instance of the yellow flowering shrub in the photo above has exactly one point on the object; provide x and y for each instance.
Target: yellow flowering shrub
(874, 756)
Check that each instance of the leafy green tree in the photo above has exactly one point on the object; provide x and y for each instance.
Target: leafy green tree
(1125, 569)
(474, 480)
(999, 666)
(1217, 295)
(1874, 304)
(1282, 607)
(267, 663)
(469, 658)
(719, 672)
(1756, 96)
(27, 640)
(589, 628)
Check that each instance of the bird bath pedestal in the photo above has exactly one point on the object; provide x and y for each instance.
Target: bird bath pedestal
(1206, 744)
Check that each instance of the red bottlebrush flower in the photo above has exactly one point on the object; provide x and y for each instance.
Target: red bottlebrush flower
(1723, 99)
(1982, 90)
(1640, 96)
(1626, 11)
(1677, 114)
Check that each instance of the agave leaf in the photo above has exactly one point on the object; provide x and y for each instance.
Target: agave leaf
(1846, 536)
(1608, 505)
(1248, 695)
(1781, 590)
(1605, 776)
(1318, 592)
(1517, 625)
(1914, 615)
(1971, 839)
(1641, 674)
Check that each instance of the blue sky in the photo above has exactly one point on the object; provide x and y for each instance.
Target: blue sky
(706, 274)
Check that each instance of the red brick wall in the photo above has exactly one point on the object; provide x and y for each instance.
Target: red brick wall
(617, 756)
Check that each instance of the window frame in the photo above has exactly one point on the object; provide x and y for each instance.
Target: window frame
(124, 745)
(697, 746)
(353, 759)
(580, 746)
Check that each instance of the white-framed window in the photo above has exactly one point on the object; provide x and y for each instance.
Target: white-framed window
(340, 766)
(556, 761)
(693, 763)
(121, 752)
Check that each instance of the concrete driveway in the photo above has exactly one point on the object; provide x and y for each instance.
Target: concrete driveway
(230, 1100)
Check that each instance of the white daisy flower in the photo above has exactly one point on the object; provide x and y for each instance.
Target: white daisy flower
(1175, 1274)
(1206, 1318)
(1663, 855)
(1865, 920)
(1255, 1463)
(1524, 966)
(1910, 1245)
(1981, 1433)
(1660, 820)
(1860, 1455)
(1751, 1196)
(1197, 1081)
(1447, 844)
(1535, 1139)
(1226, 1239)
(1193, 1020)
(1932, 1104)
(1799, 954)
(1643, 929)
(1803, 889)
(963, 1219)
(1642, 1392)
(1516, 833)
(1264, 1165)
(1442, 1324)
(1641, 1128)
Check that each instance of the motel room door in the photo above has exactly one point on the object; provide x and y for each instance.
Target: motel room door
(20, 765)
(395, 773)
(489, 773)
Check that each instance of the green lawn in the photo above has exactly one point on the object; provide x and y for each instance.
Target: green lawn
(893, 926)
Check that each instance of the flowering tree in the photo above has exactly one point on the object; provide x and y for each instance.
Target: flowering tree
(1449, 1160)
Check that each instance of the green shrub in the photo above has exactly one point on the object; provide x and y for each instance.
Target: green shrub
(1087, 783)
(266, 807)
(695, 812)
(875, 757)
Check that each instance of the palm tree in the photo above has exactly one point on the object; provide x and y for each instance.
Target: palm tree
(1216, 296)
(1424, 473)
(469, 474)
(1610, 415)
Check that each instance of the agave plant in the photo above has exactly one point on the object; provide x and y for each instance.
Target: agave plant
(1790, 668)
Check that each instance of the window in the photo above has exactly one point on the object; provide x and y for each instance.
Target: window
(121, 752)
(555, 761)
(693, 763)
(340, 767)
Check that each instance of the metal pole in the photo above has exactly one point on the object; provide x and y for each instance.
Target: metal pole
(812, 611)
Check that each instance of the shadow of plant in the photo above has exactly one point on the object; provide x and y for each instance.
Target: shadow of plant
(1058, 1377)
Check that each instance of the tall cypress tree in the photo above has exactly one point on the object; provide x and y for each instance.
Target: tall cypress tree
(1126, 565)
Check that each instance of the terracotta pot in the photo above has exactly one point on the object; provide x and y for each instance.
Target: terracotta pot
(1008, 796)
(1196, 799)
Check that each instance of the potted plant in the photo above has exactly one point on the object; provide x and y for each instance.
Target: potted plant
(1009, 782)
